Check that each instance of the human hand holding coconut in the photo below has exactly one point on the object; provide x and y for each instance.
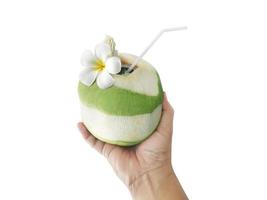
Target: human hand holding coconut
(146, 168)
(122, 104)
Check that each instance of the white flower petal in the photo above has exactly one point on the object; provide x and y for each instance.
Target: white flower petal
(88, 59)
(103, 51)
(104, 80)
(113, 65)
(88, 76)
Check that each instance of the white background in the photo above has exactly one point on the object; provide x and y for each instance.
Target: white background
(214, 74)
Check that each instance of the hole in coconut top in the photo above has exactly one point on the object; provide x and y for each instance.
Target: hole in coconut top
(124, 68)
(125, 65)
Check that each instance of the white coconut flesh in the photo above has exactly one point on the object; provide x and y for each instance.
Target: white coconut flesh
(129, 111)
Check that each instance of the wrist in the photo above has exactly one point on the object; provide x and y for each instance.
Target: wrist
(159, 183)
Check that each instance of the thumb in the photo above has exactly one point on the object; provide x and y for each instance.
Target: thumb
(166, 122)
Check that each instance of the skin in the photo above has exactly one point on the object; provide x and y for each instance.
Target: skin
(145, 169)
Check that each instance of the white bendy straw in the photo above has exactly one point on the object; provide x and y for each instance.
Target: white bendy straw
(152, 43)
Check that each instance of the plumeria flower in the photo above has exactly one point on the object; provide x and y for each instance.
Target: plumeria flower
(100, 66)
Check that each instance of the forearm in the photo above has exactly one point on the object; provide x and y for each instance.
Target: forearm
(158, 184)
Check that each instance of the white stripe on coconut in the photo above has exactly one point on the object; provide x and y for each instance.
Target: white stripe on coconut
(143, 80)
(120, 128)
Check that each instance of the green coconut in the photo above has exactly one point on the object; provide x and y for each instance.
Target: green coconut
(129, 111)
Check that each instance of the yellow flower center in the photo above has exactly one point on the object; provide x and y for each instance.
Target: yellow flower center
(100, 65)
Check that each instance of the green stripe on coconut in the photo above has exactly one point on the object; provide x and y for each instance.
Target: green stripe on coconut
(117, 101)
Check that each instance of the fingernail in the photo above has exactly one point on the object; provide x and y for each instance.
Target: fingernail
(79, 126)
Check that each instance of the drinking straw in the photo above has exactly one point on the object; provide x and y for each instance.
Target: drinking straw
(152, 43)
